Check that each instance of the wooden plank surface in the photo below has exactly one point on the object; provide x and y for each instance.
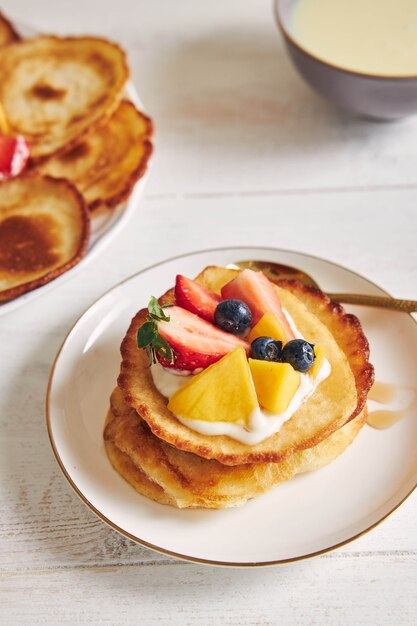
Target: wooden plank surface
(355, 591)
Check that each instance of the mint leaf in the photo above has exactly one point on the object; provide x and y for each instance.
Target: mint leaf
(156, 311)
(146, 334)
(148, 337)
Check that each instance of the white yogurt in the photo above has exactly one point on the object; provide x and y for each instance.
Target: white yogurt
(168, 381)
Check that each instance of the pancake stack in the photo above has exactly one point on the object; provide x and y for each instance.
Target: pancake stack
(63, 98)
(173, 464)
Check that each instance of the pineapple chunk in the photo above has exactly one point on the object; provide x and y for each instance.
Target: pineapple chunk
(318, 361)
(275, 384)
(223, 392)
(268, 326)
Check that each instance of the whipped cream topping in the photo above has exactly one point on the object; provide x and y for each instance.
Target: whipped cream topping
(261, 424)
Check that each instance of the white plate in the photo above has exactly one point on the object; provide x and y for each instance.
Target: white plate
(104, 227)
(308, 515)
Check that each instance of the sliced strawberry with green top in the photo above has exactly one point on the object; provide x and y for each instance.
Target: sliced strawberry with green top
(259, 294)
(195, 298)
(195, 342)
(14, 154)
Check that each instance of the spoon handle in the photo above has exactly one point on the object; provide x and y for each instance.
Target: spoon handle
(394, 304)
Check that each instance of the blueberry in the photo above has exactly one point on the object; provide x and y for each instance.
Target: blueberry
(233, 316)
(266, 349)
(299, 353)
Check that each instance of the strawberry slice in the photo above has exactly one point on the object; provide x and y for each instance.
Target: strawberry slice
(14, 154)
(196, 298)
(196, 343)
(259, 294)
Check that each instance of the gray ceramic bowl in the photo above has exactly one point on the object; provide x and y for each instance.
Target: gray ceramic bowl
(378, 97)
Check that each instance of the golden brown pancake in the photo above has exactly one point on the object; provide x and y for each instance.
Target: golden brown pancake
(44, 231)
(123, 464)
(191, 481)
(54, 90)
(107, 162)
(335, 401)
(8, 34)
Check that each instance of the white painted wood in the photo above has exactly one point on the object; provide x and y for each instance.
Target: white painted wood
(245, 154)
(353, 590)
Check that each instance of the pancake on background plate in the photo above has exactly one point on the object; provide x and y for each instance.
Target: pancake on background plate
(106, 163)
(44, 231)
(54, 90)
(62, 116)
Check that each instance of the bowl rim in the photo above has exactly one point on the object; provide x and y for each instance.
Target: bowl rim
(287, 35)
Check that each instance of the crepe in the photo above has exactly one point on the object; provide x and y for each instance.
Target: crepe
(44, 231)
(106, 163)
(187, 480)
(339, 398)
(53, 90)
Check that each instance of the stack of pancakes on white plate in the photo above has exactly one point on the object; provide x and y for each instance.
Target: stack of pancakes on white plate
(171, 463)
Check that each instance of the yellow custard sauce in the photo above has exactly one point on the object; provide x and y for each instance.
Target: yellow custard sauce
(367, 36)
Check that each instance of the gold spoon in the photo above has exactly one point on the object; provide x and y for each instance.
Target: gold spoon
(277, 271)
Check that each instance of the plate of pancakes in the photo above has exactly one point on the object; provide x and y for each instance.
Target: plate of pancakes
(90, 142)
(329, 475)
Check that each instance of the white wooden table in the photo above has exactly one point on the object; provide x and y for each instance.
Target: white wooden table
(245, 154)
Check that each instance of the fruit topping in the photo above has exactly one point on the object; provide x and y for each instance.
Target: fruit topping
(195, 298)
(14, 154)
(195, 342)
(275, 384)
(268, 326)
(223, 392)
(318, 361)
(266, 349)
(260, 295)
(233, 316)
(298, 353)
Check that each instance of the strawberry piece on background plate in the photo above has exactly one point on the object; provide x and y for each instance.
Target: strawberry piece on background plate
(14, 155)
(195, 298)
(259, 294)
(196, 343)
